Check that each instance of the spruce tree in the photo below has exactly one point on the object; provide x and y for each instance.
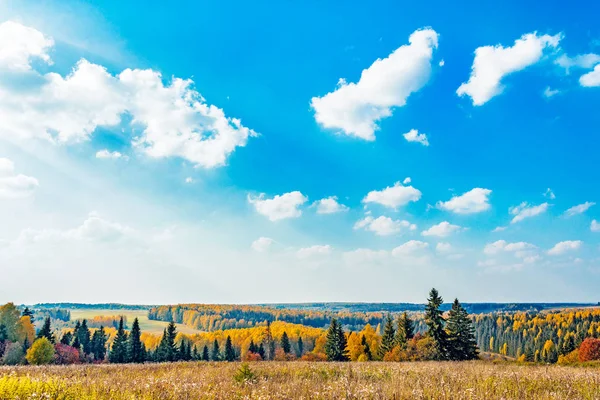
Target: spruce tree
(216, 352)
(366, 347)
(195, 354)
(261, 351)
(285, 343)
(461, 343)
(84, 337)
(229, 351)
(205, 356)
(67, 338)
(252, 348)
(388, 339)
(335, 344)
(405, 330)
(28, 313)
(135, 347)
(118, 351)
(46, 331)
(99, 339)
(171, 336)
(435, 323)
(300, 347)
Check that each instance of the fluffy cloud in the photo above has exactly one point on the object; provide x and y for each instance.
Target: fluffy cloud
(106, 154)
(492, 63)
(12, 185)
(329, 205)
(585, 61)
(591, 79)
(443, 247)
(279, 207)
(383, 226)
(579, 209)
(356, 108)
(406, 180)
(474, 201)
(409, 248)
(499, 229)
(262, 244)
(443, 229)
(414, 136)
(564, 247)
(525, 210)
(503, 246)
(312, 251)
(174, 119)
(393, 196)
(595, 226)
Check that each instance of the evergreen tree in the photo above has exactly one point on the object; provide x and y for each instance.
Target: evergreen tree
(285, 343)
(229, 351)
(261, 351)
(205, 356)
(67, 338)
(252, 348)
(135, 347)
(76, 342)
(435, 323)
(300, 347)
(216, 352)
(28, 313)
(118, 351)
(83, 334)
(335, 345)
(99, 339)
(195, 354)
(46, 331)
(388, 339)
(461, 343)
(269, 343)
(406, 330)
(167, 350)
(366, 347)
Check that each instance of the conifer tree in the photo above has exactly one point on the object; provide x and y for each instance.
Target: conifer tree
(67, 338)
(435, 323)
(46, 331)
(405, 330)
(99, 339)
(195, 355)
(388, 339)
(229, 351)
(461, 343)
(252, 348)
(366, 347)
(83, 333)
(118, 351)
(76, 343)
(216, 352)
(269, 343)
(285, 343)
(300, 347)
(335, 344)
(28, 313)
(205, 356)
(135, 347)
(261, 351)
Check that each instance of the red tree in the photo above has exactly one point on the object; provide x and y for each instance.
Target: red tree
(65, 354)
(589, 350)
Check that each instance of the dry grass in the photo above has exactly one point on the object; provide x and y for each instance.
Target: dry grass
(302, 380)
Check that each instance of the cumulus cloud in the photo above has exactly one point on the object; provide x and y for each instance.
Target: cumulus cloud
(579, 209)
(383, 226)
(584, 61)
(106, 154)
(443, 247)
(564, 247)
(414, 136)
(393, 196)
(474, 201)
(595, 226)
(519, 248)
(591, 79)
(443, 229)
(279, 207)
(409, 248)
(525, 210)
(499, 229)
(13, 185)
(356, 108)
(493, 63)
(174, 120)
(262, 244)
(312, 251)
(329, 205)
(406, 180)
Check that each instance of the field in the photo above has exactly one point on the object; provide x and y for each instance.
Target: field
(302, 380)
(146, 325)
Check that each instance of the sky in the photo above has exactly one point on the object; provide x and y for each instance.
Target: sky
(252, 152)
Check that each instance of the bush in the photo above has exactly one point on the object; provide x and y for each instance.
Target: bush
(41, 352)
(13, 354)
(65, 354)
(314, 357)
(244, 374)
(568, 359)
(589, 350)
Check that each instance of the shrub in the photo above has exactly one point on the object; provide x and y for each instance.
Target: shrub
(314, 357)
(571, 358)
(13, 354)
(244, 374)
(65, 354)
(589, 350)
(41, 352)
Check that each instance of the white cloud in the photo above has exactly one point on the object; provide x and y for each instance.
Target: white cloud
(549, 194)
(406, 180)
(441, 63)
(564, 247)
(174, 120)
(329, 205)
(492, 63)
(262, 244)
(414, 136)
(548, 92)
(443, 247)
(525, 210)
(591, 79)
(312, 251)
(393, 196)
(443, 229)
(579, 209)
(356, 108)
(499, 246)
(189, 179)
(104, 154)
(595, 226)
(410, 247)
(499, 229)
(585, 61)
(279, 207)
(12, 185)
(383, 226)
(360, 256)
(474, 201)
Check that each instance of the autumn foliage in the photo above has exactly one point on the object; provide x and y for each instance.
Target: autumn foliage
(589, 350)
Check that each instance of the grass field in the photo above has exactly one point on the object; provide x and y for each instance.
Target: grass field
(302, 380)
(146, 325)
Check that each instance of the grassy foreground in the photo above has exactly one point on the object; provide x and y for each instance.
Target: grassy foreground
(301, 380)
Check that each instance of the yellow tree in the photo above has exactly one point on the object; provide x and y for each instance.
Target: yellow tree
(41, 352)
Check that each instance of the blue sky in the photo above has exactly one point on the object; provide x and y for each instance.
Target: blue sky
(259, 152)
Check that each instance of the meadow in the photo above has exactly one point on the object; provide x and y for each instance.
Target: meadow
(301, 380)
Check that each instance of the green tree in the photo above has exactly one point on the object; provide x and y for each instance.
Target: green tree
(67, 338)
(229, 351)
(41, 352)
(99, 339)
(46, 331)
(118, 351)
(285, 343)
(461, 342)
(205, 356)
(84, 337)
(435, 323)
(216, 352)
(335, 344)
(388, 339)
(406, 330)
(9, 322)
(28, 313)
(300, 347)
(366, 347)
(135, 348)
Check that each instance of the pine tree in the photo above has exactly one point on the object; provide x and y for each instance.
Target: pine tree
(46, 331)
(366, 347)
(216, 352)
(300, 347)
(435, 323)
(195, 354)
(461, 343)
(252, 348)
(229, 351)
(67, 338)
(84, 337)
(285, 343)
(135, 347)
(261, 351)
(406, 330)
(118, 351)
(388, 338)
(205, 356)
(99, 339)
(28, 313)
(335, 344)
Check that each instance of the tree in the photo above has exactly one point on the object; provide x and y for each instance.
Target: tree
(261, 351)
(13, 354)
(300, 347)
(335, 345)
(65, 354)
(388, 338)
(67, 338)
(118, 351)
(435, 323)
(461, 342)
(216, 352)
(229, 351)
(589, 350)
(46, 331)
(84, 337)
(9, 322)
(99, 339)
(167, 350)
(367, 348)
(406, 330)
(205, 353)
(285, 343)
(28, 313)
(135, 347)
(41, 352)
(269, 343)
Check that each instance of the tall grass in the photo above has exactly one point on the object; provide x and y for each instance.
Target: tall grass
(301, 380)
